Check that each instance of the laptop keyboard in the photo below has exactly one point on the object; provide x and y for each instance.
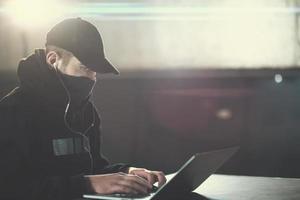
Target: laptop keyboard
(124, 195)
(134, 196)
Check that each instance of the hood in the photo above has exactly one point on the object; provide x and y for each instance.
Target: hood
(42, 88)
(40, 80)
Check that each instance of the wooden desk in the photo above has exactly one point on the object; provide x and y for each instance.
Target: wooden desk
(229, 187)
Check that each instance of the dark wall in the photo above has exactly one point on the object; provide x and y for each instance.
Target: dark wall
(158, 119)
(162, 118)
(8, 81)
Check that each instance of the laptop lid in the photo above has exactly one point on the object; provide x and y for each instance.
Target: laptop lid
(191, 175)
(195, 171)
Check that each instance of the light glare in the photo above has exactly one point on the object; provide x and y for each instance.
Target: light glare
(278, 78)
(33, 12)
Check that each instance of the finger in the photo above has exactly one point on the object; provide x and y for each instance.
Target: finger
(119, 185)
(132, 186)
(140, 181)
(160, 177)
(124, 188)
(151, 178)
(148, 175)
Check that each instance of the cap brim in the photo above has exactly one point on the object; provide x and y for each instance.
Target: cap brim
(110, 68)
(103, 67)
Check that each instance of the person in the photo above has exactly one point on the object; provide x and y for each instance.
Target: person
(50, 130)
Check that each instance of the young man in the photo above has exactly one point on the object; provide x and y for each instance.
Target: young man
(50, 136)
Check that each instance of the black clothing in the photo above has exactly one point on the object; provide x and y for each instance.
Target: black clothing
(40, 157)
(78, 88)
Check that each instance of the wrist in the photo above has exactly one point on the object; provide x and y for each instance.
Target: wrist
(126, 170)
(88, 184)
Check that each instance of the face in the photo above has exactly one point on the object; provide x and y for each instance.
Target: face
(73, 68)
(76, 68)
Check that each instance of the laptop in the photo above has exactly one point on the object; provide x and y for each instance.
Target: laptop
(191, 175)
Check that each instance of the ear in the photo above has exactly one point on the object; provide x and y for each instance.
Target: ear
(51, 58)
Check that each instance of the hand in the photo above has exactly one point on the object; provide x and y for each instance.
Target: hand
(118, 183)
(151, 176)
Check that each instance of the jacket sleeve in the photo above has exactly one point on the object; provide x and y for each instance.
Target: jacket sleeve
(101, 164)
(19, 178)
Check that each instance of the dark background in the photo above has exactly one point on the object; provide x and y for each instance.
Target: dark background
(158, 119)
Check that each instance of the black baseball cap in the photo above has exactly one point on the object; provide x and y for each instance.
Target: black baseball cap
(83, 40)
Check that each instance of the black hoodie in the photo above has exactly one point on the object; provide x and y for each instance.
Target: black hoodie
(40, 157)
